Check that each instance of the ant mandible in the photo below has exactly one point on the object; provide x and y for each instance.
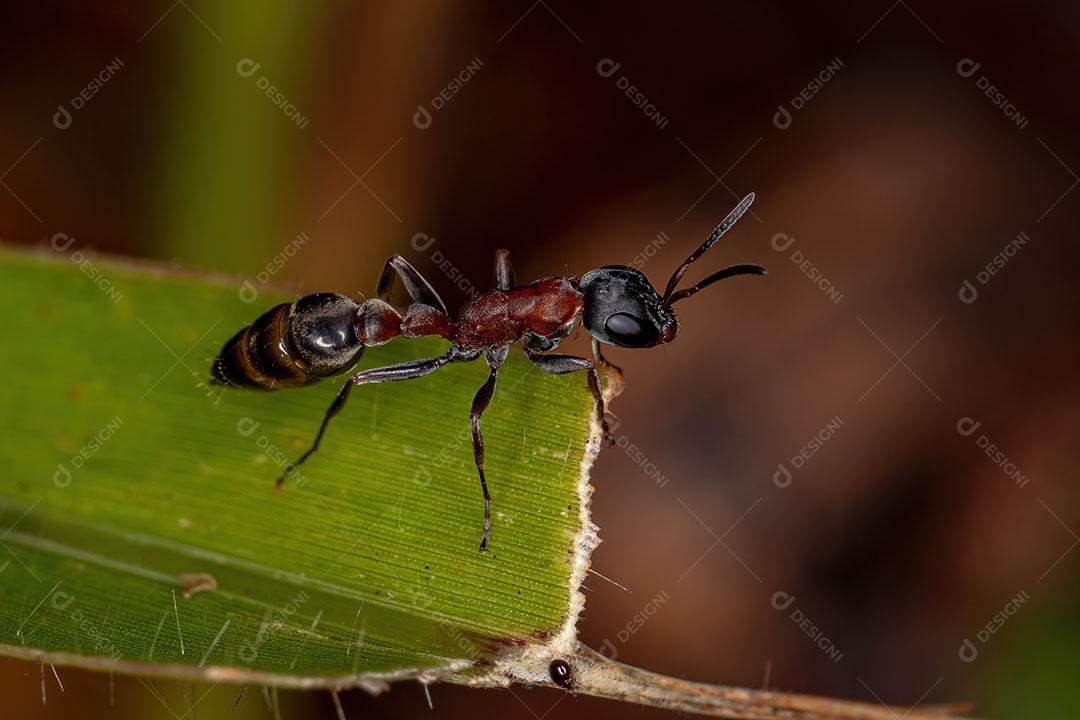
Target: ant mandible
(320, 335)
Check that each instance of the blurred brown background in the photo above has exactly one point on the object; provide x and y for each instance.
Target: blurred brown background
(895, 152)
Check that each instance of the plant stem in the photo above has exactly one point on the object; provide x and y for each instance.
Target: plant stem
(599, 676)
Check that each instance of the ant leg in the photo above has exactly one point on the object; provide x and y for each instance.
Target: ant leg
(614, 371)
(504, 271)
(402, 371)
(479, 404)
(419, 289)
(562, 364)
(494, 359)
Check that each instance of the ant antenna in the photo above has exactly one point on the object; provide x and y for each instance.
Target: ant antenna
(725, 273)
(670, 296)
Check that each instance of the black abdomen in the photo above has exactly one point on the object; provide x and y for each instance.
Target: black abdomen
(292, 344)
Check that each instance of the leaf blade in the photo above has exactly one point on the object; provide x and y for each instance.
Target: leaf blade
(131, 475)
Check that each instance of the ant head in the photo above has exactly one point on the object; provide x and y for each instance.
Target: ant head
(622, 308)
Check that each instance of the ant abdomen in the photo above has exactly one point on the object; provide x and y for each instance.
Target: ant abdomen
(293, 344)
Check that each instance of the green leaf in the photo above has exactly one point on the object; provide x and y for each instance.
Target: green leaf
(140, 530)
(125, 473)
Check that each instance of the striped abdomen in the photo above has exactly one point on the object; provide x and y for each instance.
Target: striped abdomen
(293, 344)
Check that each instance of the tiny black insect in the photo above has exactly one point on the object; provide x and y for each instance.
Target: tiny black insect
(299, 343)
(559, 670)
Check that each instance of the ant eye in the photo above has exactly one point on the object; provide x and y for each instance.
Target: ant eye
(624, 325)
(628, 331)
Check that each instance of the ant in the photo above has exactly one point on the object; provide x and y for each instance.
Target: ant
(299, 343)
